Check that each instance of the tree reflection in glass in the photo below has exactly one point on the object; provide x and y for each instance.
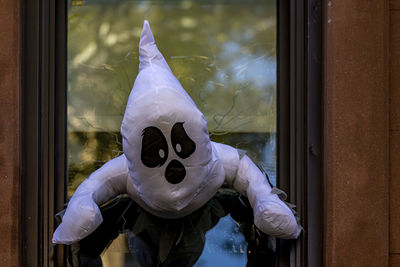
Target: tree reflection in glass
(224, 55)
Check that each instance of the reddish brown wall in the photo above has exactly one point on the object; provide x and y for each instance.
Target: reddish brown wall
(9, 131)
(394, 133)
(356, 133)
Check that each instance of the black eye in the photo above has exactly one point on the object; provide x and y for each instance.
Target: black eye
(181, 142)
(154, 147)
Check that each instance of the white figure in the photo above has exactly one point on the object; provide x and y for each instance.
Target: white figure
(169, 166)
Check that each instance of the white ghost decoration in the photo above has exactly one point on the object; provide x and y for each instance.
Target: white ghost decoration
(169, 166)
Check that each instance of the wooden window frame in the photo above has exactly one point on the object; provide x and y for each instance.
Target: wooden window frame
(43, 175)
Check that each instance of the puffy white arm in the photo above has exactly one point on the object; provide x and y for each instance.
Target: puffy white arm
(271, 215)
(83, 215)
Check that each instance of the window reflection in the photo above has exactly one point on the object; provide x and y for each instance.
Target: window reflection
(223, 53)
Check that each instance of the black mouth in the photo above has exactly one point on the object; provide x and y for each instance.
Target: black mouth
(175, 172)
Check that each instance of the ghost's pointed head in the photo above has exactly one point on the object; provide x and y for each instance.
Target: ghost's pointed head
(165, 136)
(149, 55)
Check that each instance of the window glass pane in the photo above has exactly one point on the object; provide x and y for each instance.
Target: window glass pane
(224, 55)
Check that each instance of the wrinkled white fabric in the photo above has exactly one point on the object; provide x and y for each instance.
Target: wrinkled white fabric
(169, 166)
(83, 216)
(271, 215)
(158, 100)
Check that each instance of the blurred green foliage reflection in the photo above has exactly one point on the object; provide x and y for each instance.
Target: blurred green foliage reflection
(223, 53)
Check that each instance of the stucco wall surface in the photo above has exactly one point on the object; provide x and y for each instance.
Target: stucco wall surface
(356, 132)
(9, 131)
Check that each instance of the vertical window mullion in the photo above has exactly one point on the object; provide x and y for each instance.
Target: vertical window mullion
(314, 129)
(43, 128)
(30, 135)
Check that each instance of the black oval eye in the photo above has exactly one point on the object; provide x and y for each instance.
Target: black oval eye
(154, 147)
(181, 142)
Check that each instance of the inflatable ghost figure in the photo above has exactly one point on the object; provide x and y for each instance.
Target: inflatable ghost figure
(169, 166)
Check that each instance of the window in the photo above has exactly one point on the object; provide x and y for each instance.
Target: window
(223, 53)
(295, 113)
